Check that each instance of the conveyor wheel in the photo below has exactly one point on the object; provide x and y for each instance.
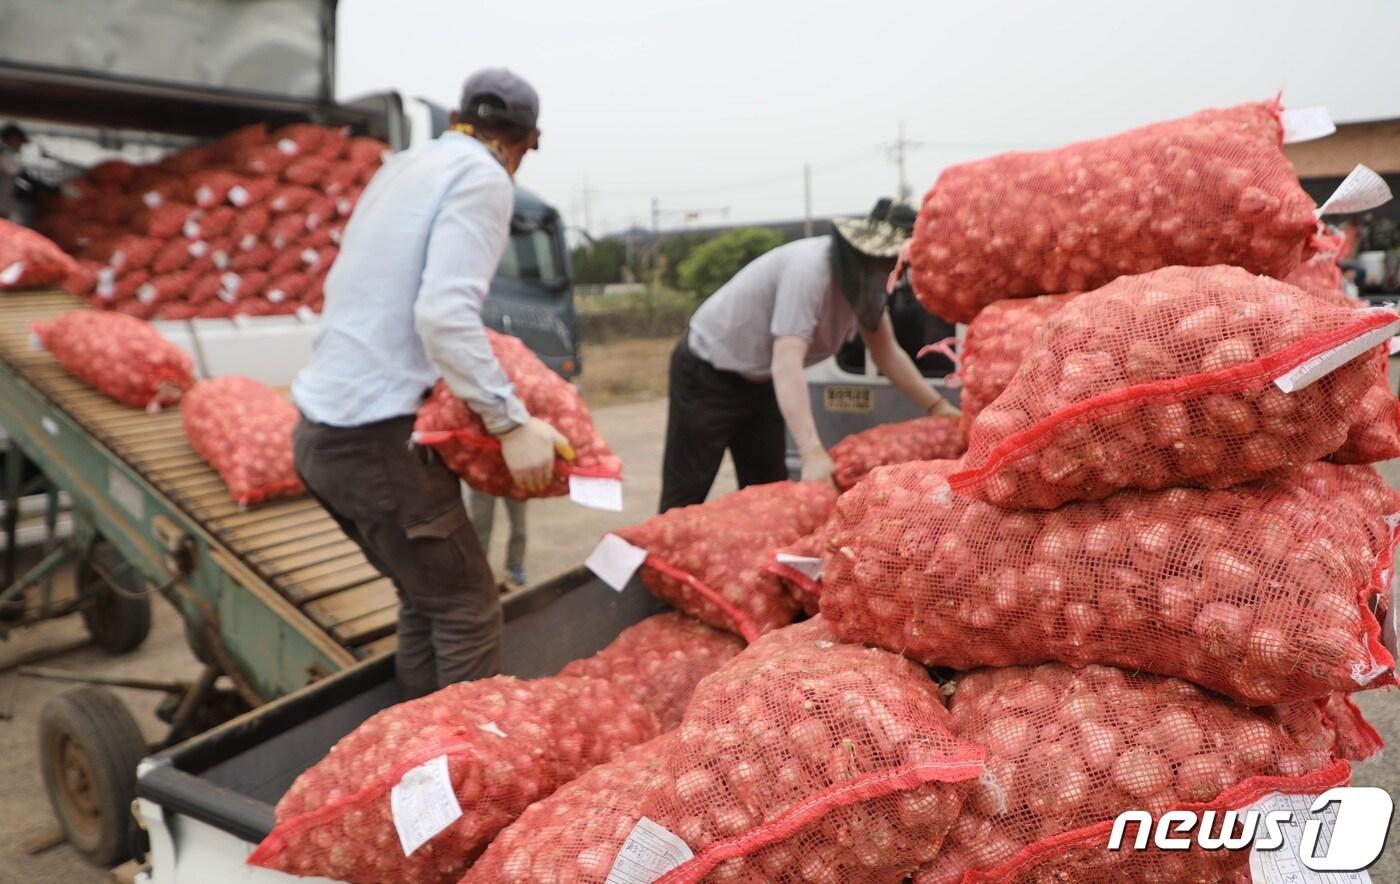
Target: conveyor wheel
(117, 612)
(89, 746)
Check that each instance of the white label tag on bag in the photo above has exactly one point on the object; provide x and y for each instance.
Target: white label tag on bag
(615, 560)
(1283, 865)
(601, 494)
(807, 565)
(650, 851)
(492, 728)
(10, 275)
(423, 804)
(1363, 189)
(1307, 124)
(1394, 346)
(1324, 364)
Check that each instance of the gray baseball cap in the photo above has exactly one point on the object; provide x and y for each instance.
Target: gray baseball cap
(501, 96)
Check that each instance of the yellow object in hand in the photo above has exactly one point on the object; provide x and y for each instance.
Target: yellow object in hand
(564, 450)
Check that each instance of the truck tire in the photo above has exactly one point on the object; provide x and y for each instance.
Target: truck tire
(117, 621)
(89, 746)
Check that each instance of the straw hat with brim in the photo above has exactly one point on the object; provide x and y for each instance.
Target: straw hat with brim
(882, 232)
(864, 253)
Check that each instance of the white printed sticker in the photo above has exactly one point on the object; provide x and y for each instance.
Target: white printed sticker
(615, 560)
(423, 804)
(35, 343)
(807, 565)
(49, 424)
(491, 727)
(287, 146)
(152, 199)
(650, 851)
(1324, 364)
(601, 494)
(1307, 124)
(1283, 865)
(239, 195)
(1361, 190)
(10, 275)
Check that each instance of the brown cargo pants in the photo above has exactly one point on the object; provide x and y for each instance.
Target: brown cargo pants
(404, 508)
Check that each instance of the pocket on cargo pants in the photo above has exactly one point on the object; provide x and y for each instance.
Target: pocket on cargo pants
(441, 548)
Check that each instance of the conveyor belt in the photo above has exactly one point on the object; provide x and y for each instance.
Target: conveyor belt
(294, 545)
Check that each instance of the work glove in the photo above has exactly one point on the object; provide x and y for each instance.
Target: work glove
(817, 466)
(529, 452)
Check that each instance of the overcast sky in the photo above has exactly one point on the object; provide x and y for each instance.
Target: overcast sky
(715, 105)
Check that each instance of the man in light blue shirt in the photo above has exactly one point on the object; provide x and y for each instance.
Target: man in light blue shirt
(403, 308)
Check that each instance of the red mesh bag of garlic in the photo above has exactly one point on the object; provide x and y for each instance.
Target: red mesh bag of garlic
(659, 661)
(1203, 376)
(1260, 592)
(1002, 334)
(801, 760)
(1211, 188)
(119, 355)
(505, 744)
(462, 441)
(1375, 429)
(925, 438)
(992, 350)
(244, 430)
(30, 260)
(710, 559)
(1069, 750)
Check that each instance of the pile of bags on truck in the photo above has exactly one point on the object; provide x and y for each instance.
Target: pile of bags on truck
(1146, 567)
(248, 224)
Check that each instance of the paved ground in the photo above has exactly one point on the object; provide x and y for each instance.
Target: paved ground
(561, 535)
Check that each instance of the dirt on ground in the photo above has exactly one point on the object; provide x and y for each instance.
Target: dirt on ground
(625, 371)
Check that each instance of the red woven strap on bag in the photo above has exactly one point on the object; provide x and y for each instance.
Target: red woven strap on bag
(1069, 750)
(1166, 379)
(1261, 592)
(460, 437)
(1212, 188)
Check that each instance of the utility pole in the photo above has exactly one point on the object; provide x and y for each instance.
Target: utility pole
(655, 216)
(807, 199)
(897, 152)
(587, 208)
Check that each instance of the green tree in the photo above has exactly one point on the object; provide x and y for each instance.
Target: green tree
(674, 250)
(711, 264)
(599, 263)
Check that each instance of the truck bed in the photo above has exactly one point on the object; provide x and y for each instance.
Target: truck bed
(214, 794)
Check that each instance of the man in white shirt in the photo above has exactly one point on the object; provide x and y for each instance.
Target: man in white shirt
(736, 376)
(403, 308)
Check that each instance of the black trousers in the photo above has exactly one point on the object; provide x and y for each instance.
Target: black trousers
(710, 411)
(404, 508)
